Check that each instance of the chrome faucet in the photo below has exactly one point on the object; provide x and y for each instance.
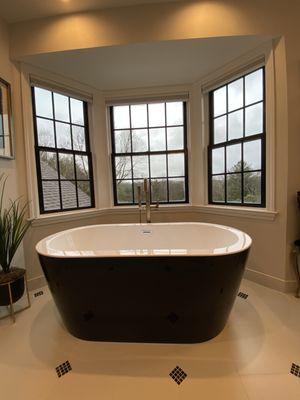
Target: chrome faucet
(148, 205)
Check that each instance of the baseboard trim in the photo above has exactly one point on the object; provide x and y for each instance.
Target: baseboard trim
(36, 283)
(273, 282)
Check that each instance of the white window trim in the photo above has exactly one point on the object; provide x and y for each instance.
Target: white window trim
(262, 56)
(46, 79)
(104, 203)
(197, 136)
(148, 95)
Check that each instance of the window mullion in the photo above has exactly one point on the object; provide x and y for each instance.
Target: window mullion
(167, 157)
(74, 157)
(57, 154)
(242, 143)
(149, 165)
(225, 149)
(131, 156)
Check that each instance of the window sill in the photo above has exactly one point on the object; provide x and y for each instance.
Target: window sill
(162, 208)
(243, 212)
(49, 219)
(53, 218)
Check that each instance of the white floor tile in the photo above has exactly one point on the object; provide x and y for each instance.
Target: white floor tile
(149, 388)
(77, 387)
(249, 360)
(225, 388)
(272, 387)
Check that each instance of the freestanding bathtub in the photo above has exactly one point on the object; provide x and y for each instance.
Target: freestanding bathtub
(169, 282)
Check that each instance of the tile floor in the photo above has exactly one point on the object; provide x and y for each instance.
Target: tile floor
(250, 360)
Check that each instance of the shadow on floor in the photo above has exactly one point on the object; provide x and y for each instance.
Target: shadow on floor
(52, 344)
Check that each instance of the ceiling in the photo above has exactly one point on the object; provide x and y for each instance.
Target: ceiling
(147, 64)
(16, 10)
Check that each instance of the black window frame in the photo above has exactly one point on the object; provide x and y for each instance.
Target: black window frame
(9, 133)
(242, 140)
(58, 150)
(148, 153)
(2, 136)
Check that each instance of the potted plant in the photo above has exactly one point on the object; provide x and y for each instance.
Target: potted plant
(13, 226)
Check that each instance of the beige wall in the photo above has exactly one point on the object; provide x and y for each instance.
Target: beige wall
(154, 22)
(7, 166)
(270, 256)
(10, 167)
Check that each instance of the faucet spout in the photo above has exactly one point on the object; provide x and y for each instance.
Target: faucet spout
(147, 197)
(147, 206)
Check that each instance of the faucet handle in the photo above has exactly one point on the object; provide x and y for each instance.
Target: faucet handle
(156, 205)
(145, 185)
(139, 190)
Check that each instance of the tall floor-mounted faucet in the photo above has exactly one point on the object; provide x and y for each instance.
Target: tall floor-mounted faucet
(148, 205)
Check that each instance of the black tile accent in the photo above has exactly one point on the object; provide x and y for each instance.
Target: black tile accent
(63, 368)
(178, 375)
(40, 293)
(243, 295)
(295, 370)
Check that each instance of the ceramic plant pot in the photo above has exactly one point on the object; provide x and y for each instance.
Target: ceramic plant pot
(16, 279)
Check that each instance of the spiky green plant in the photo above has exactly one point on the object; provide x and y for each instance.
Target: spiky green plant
(13, 226)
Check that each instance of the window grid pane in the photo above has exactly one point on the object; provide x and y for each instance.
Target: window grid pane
(237, 142)
(156, 150)
(64, 165)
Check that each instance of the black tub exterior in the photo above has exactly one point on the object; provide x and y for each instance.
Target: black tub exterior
(145, 299)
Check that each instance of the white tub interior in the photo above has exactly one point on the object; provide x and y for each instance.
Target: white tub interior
(165, 239)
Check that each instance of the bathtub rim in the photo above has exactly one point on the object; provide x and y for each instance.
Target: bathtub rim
(40, 246)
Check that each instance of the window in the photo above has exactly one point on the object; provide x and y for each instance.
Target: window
(149, 141)
(64, 167)
(1, 123)
(236, 152)
(5, 120)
